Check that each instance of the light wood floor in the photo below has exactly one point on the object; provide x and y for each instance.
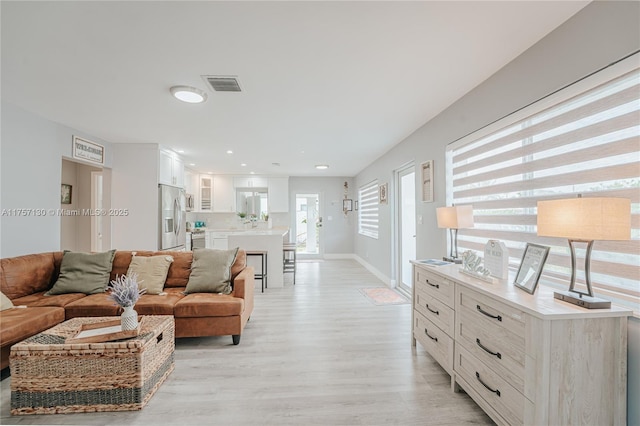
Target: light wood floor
(317, 353)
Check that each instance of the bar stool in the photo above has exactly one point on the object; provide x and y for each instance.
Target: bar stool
(289, 259)
(262, 276)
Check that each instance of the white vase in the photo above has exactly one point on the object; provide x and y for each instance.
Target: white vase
(129, 318)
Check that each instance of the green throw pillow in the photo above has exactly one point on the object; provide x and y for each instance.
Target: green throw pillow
(86, 273)
(211, 271)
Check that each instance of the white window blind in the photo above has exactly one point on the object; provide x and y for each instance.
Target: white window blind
(368, 209)
(587, 144)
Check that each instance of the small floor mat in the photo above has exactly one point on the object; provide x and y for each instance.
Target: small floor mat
(384, 296)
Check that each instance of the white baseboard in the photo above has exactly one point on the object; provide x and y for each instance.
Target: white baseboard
(382, 277)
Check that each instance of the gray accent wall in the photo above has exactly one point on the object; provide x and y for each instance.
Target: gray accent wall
(601, 33)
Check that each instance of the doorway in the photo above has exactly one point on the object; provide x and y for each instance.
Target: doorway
(97, 205)
(405, 224)
(308, 235)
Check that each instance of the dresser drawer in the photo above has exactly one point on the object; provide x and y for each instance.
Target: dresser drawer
(491, 313)
(435, 311)
(498, 348)
(434, 285)
(436, 342)
(484, 382)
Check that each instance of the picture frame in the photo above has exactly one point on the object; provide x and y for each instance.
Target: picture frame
(86, 150)
(356, 205)
(347, 205)
(531, 266)
(383, 191)
(427, 181)
(65, 193)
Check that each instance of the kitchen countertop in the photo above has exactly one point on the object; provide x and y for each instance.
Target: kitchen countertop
(250, 231)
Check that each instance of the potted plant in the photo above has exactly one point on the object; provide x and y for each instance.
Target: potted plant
(125, 293)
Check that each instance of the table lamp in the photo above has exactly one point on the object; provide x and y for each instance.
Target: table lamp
(454, 218)
(584, 220)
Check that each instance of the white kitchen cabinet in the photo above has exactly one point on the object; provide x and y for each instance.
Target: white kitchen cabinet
(170, 169)
(205, 193)
(250, 182)
(223, 194)
(216, 240)
(278, 194)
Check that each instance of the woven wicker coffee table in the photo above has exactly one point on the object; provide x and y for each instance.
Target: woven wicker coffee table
(49, 376)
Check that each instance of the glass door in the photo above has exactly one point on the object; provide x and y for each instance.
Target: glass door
(308, 228)
(405, 226)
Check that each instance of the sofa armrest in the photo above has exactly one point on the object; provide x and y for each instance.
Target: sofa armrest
(244, 283)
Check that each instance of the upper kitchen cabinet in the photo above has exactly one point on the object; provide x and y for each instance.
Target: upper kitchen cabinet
(278, 194)
(223, 194)
(250, 182)
(206, 193)
(171, 169)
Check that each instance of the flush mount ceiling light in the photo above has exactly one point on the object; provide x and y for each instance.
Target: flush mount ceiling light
(229, 152)
(188, 94)
(322, 166)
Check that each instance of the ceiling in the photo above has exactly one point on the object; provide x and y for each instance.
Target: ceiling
(338, 83)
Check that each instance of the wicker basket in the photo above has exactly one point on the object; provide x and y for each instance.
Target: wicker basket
(49, 376)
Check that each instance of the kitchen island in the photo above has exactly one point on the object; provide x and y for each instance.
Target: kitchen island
(269, 240)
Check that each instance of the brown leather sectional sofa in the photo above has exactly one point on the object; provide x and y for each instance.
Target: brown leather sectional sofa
(25, 279)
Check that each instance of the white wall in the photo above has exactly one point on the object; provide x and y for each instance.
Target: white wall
(31, 170)
(598, 35)
(337, 231)
(134, 179)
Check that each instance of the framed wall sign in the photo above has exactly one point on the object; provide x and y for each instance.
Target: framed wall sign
(427, 181)
(87, 151)
(531, 266)
(347, 205)
(382, 193)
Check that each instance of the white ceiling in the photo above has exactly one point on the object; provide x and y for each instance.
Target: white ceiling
(324, 82)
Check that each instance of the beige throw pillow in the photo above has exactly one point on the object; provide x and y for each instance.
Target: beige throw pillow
(86, 273)
(5, 302)
(211, 271)
(152, 271)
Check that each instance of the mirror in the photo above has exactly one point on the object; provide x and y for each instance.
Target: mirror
(252, 201)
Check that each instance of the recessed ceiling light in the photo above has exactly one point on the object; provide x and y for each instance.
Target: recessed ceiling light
(243, 165)
(322, 166)
(180, 151)
(188, 94)
(229, 151)
(253, 173)
(192, 164)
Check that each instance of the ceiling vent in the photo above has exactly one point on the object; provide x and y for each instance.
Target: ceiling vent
(223, 83)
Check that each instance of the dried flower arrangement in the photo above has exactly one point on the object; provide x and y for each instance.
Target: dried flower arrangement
(124, 290)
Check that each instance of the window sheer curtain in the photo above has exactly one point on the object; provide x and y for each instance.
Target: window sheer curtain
(368, 209)
(584, 140)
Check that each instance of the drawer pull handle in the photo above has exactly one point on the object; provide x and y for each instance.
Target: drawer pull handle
(433, 285)
(435, 339)
(432, 311)
(498, 317)
(498, 354)
(496, 391)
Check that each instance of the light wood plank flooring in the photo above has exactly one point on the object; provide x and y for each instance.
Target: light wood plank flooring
(317, 353)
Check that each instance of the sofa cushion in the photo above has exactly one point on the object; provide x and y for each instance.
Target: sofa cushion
(208, 305)
(39, 299)
(211, 271)
(19, 323)
(24, 275)
(151, 304)
(151, 270)
(5, 302)
(86, 273)
(95, 305)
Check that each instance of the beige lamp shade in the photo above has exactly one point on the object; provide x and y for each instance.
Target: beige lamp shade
(455, 217)
(587, 219)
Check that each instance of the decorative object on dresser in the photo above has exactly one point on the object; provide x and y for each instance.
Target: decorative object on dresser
(472, 265)
(531, 265)
(496, 258)
(584, 220)
(454, 218)
(525, 359)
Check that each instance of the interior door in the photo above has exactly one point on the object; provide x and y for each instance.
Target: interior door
(97, 220)
(406, 225)
(308, 229)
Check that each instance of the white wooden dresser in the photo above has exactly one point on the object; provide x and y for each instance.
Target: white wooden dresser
(524, 359)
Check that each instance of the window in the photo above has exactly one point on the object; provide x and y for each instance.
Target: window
(368, 210)
(581, 140)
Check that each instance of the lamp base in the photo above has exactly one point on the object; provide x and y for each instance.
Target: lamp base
(452, 260)
(582, 300)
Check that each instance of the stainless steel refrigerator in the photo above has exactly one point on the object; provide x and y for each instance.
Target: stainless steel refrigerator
(171, 235)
